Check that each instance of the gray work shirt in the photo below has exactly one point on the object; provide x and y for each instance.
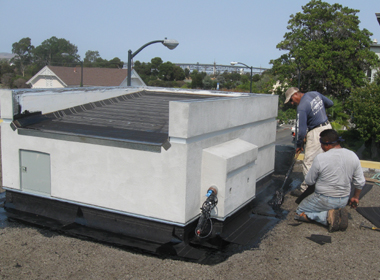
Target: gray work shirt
(333, 172)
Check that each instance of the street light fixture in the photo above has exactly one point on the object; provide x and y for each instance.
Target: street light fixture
(234, 63)
(81, 67)
(170, 44)
(298, 71)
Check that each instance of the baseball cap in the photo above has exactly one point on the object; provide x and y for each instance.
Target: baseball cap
(289, 93)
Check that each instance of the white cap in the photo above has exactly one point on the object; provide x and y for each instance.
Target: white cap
(289, 93)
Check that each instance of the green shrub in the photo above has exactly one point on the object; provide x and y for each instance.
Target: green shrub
(352, 139)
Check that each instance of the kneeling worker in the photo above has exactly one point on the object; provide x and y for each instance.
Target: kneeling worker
(332, 172)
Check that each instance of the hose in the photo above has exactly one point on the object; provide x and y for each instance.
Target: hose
(205, 217)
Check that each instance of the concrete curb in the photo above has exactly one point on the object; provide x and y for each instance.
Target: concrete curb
(366, 164)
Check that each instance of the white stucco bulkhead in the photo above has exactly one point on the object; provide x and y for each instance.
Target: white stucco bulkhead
(166, 186)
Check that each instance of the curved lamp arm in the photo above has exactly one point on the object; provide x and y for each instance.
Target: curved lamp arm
(170, 44)
(251, 67)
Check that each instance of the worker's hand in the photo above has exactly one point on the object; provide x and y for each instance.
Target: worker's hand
(299, 149)
(354, 202)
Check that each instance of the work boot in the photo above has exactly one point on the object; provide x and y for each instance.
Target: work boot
(343, 223)
(297, 192)
(333, 217)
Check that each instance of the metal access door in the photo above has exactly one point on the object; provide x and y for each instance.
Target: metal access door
(35, 172)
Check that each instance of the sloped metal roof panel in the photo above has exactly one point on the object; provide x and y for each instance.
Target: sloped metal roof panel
(140, 118)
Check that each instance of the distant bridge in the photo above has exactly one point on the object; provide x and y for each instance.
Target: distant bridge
(219, 69)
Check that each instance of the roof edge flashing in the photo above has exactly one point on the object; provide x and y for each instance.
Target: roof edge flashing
(197, 92)
(128, 144)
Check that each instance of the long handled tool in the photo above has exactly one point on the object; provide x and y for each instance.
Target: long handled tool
(278, 198)
(363, 226)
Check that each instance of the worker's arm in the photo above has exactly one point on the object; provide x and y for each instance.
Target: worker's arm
(327, 102)
(313, 173)
(358, 181)
(302, 129)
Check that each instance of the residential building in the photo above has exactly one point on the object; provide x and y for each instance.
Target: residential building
(375, 47)
(62, 77)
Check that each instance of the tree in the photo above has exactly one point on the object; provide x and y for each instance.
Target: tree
(5, 67)
(267, 83)
(366, 114)
(187, 73)
(143, 69)
(207, 82)
(23, 50)
(50, 52)
(20, 83)
(377, 78)
(197, 79)
(170, 72)
(220, 79)
(337, 114)
(179, 73)
(256, 78)
(165, 71)
(91, 57)
(155, 63)
(7, 80)
(115, 63)
(327, 48)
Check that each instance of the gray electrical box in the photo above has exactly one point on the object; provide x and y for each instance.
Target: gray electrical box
(35, 172)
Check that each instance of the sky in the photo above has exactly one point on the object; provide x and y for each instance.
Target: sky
(208, 31)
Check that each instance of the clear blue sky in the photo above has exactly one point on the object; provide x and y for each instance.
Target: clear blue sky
(207, 30)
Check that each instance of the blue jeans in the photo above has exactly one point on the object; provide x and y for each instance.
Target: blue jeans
(316, 206)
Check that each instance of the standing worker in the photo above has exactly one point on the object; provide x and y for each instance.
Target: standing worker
(312, 120)
(332, 173)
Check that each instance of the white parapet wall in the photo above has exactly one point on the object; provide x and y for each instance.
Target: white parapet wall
(235, 131)
(50, 100)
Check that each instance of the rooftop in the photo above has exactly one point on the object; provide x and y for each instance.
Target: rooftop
(139, 119)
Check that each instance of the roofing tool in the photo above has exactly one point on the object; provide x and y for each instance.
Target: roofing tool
(278, 198)
(363, 226)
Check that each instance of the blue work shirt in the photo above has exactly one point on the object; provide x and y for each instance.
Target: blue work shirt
(311, 113)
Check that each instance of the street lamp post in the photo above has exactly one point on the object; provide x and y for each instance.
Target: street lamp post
(296, 126)
(298, 72)
(299, 75)
(81, 67)
(234, 63)
(170, 44)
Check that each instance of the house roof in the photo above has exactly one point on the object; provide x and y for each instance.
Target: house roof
(71, 76)
(139, 121)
